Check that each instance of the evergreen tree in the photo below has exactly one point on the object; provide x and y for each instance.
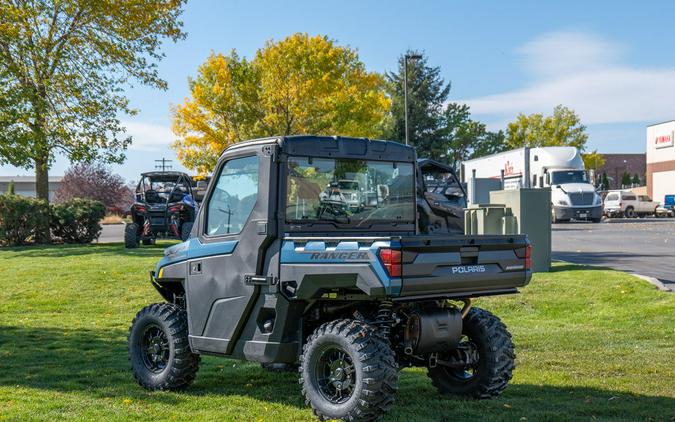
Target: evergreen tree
(636, 180)
(625, 179)
(427, 93)
(605, 182)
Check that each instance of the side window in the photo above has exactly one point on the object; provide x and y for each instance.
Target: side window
(233, 197)
(629, 198)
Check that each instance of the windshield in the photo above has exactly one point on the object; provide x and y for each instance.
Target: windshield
(570, 176)
(349, 191)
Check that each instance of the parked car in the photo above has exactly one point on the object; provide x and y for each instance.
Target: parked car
(621, 203)
(669, 202)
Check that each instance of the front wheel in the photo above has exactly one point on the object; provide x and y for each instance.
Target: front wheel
(159, 351)
(488, 346)
(630, 213)
(348, 371)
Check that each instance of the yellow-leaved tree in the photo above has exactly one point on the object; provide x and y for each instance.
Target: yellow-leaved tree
(299, 85)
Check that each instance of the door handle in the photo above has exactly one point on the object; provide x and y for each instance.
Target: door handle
(195, 267)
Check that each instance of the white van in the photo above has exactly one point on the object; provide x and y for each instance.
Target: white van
(621, 203)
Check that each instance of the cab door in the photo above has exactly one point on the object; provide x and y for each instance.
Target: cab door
(234, 231)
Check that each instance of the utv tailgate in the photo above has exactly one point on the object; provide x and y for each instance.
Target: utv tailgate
(462, 266)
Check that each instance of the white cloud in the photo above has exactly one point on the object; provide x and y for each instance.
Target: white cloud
(586, 73)
(148, 136)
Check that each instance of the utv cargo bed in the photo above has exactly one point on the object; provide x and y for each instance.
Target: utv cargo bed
(463, 265)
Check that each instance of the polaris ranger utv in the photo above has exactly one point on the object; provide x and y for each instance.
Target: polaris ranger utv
(349, 295)
(164, 207)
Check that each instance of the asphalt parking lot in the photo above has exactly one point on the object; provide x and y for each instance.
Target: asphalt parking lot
(641, 246)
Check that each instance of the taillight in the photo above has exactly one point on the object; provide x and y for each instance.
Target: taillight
(391, 259)
(528, 257)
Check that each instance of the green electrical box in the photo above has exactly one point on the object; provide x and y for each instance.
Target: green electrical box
(489, 219)
(531, 208)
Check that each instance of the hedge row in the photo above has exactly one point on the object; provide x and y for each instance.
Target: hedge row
(29, 220)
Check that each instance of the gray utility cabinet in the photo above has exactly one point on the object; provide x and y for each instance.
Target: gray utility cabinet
(532, 211)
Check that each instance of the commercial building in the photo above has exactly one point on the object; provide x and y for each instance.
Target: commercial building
(25, 185)
(661, 160)
(618, 164)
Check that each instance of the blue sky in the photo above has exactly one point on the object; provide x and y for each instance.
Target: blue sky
(613, 62)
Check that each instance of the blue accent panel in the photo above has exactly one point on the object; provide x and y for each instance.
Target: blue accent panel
(300, 253)
(193, 248)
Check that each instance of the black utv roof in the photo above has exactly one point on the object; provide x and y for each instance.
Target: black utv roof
(337, 146)
(429, 164)
(167, 174)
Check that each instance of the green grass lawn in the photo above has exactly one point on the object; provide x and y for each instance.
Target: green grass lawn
(591, 345)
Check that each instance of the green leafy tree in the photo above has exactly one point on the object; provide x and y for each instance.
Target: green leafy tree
(625, 179)
(63, 67)
(605, 182)
(427, 93)
(301, 84)
(562, 128)
(636, 180)
(461, 138)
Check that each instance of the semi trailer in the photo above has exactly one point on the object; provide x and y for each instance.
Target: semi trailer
(560, 168)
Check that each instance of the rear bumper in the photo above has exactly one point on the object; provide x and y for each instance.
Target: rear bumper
(578, 213)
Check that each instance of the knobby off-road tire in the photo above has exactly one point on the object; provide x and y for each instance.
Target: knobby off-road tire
(185, 230)
(159, 351)
(369, 375)
(495, 363)
(131, 235)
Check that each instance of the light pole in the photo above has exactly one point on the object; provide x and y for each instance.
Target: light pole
(405, 89)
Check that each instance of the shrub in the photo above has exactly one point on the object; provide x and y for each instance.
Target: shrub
(77, 220)
(21, 218)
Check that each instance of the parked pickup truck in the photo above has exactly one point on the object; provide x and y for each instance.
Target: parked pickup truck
(273, 273)
(621, 203)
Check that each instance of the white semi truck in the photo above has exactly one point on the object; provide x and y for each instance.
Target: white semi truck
(560, 168)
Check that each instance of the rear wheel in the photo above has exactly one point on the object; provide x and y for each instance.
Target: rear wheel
(131, 235)
(159, 351)
(347, 371)
(487, 346)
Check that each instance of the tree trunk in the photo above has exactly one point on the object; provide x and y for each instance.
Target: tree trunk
(41, 179)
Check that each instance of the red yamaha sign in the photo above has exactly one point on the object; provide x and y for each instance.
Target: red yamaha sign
(664, 141)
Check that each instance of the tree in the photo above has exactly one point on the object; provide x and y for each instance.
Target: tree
(636, 180)
(605, 182)
(298, 85)
(460, 138)
(427, 94)
(10, 188)
(593, 160)
(562, 128)
(625, 179)
(94, 181)
(63, 66)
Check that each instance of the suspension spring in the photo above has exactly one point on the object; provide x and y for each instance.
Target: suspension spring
(385, 318)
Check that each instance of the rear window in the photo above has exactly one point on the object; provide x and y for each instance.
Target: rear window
(612, 197)
(349, 191)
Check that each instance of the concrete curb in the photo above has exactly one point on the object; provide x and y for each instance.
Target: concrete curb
(655, 281)
(651, 280)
